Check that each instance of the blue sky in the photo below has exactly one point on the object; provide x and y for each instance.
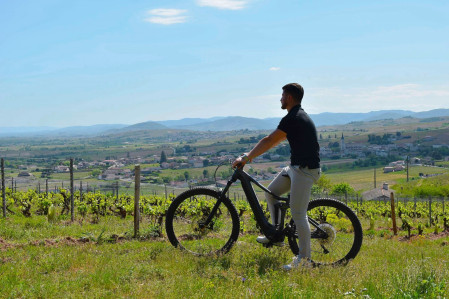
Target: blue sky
(65, 63)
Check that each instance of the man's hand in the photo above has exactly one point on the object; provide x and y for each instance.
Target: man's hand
(240, 161)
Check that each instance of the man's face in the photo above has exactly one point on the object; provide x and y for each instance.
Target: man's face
(284, 100)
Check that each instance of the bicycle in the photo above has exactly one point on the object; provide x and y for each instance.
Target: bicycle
(204, 221)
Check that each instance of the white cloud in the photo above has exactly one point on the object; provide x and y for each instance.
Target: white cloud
(166, 16)
(224, 4)
(274, 68)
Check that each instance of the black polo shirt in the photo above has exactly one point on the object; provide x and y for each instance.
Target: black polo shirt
(302, 137)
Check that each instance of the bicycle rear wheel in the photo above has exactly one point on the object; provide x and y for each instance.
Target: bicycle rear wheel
(343, 235)
(186, 225)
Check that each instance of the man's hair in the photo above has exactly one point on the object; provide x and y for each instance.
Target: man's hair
(295, 90)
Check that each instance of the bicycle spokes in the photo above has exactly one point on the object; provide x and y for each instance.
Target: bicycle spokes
(201, 223)
(336, 234)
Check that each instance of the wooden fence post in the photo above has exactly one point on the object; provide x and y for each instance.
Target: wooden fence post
(81, 191)
(72, 203)
(116, 191)
(136, 200)
(393, 214)
(3, 187)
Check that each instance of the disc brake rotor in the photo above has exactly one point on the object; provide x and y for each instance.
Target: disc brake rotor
(331, 234)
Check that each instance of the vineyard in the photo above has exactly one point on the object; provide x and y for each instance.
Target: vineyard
(46, 254)
(416, 216)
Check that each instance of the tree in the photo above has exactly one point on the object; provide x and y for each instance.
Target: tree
(95, 173)
(324, 183)
(342, 189)
(186, 175)
(206, 162)
(205, 173)
(163, 157)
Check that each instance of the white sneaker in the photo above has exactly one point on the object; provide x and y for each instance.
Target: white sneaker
(265, 240)
(298, 262)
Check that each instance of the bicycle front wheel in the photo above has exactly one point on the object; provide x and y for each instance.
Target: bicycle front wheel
(187, 226)
(342, 237)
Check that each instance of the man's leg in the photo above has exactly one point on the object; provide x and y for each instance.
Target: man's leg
(302, 180)
(278, 186)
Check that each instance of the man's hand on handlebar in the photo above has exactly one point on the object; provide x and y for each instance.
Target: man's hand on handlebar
(240, 161)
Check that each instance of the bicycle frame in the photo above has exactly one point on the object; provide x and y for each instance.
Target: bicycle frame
(274, 233)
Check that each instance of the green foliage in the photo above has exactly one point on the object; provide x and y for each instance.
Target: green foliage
(341, 189)
(323, 185)
(95, 173)
(375, 139)
(163, 157)
(51, 216)
(433, 186)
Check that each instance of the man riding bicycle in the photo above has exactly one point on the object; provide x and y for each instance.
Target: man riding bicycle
(298, 128)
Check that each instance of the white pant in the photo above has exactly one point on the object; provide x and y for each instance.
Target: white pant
(299, 181)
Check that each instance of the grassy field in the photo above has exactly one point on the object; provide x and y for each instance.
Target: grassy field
(442, 163)
(362, 180)
(38, 259)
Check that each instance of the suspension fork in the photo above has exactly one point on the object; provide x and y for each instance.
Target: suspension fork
(217, 204)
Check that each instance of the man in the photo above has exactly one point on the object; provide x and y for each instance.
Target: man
(298, 128)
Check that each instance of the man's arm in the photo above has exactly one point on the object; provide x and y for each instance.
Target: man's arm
(262, 146)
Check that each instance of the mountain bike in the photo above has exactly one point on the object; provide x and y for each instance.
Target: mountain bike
(204, 221)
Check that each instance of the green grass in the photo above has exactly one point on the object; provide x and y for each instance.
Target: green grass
(385, 267)
(442, 163)
(364, 179)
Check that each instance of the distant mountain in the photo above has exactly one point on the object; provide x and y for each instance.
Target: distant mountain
(330, 119)
(432, 113)
(20, 131)
(149, 125)
(322, 119)
(58, 132)
(215, 124)
(86, 130)
(231, 123)
(180, 123)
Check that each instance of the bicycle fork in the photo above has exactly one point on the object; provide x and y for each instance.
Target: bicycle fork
(217, 205)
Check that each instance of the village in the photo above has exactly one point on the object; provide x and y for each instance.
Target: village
(185, 159)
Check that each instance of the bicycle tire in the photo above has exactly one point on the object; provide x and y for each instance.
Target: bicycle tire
(184, 215)
(345, 233)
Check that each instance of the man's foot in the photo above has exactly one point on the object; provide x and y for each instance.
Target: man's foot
(298, 262)
(265, 240)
